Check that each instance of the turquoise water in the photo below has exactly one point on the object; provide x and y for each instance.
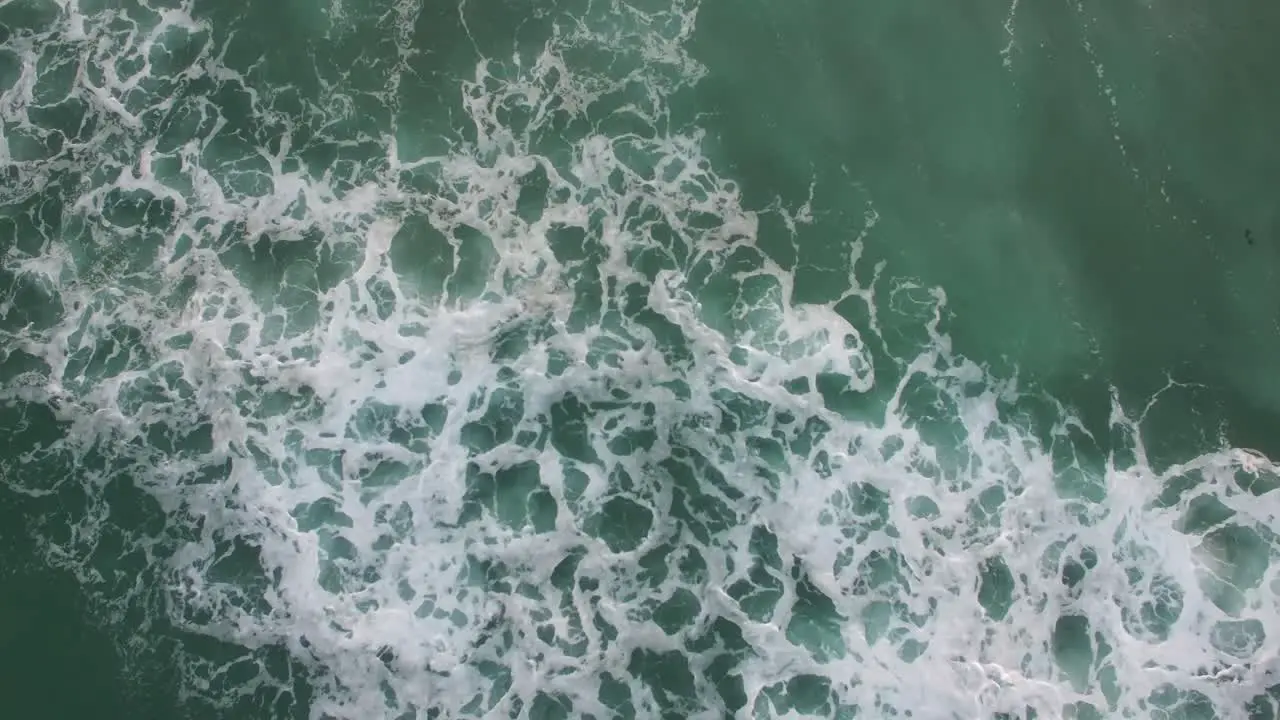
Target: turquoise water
(593, 359)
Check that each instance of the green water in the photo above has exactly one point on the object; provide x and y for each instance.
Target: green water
(1080, 183)
(510, 359)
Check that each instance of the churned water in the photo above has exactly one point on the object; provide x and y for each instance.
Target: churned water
(652, 359)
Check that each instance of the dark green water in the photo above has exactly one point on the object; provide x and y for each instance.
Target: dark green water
(689, 359)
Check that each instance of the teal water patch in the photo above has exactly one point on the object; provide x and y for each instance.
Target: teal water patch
(605, 359)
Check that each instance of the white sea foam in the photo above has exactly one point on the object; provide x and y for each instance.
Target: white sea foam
(465, 459)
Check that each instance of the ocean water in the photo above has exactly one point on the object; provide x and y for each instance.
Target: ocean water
(654, 359)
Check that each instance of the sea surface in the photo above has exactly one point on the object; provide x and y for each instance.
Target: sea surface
(672, 359)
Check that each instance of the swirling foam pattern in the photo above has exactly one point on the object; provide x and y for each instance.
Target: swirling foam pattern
(412, 361)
